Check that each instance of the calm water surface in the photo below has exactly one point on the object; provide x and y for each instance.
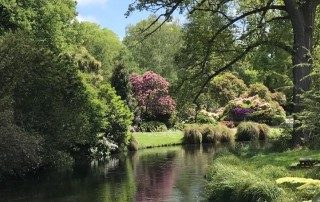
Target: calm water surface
(159, 174)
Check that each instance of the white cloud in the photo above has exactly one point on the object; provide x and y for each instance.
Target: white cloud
(82, 18)
(91, 2)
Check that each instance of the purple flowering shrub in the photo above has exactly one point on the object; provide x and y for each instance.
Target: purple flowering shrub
(254, 109)
(241, 114)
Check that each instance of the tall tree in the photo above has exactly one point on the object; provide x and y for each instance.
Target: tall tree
(102, 43)
(157, 51)
(301, 13)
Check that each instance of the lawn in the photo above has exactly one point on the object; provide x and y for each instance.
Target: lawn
(252, 176)
(158, 139)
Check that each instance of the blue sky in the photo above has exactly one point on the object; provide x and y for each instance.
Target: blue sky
(109, 14)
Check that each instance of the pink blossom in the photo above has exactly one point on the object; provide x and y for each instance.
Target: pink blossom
(152, 93)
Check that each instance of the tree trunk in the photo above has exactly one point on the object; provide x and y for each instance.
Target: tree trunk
(302, 17)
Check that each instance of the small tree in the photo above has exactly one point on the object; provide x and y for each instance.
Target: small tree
(152, 94)
(120, 81)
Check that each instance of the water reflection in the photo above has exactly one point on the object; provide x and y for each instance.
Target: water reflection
(160, 174)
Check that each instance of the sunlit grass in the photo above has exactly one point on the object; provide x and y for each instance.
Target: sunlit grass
(158, 139)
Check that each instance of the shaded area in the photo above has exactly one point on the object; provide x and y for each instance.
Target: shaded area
(159, 174)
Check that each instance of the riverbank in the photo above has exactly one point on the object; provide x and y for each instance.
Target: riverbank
(158, 139)
(263, 175)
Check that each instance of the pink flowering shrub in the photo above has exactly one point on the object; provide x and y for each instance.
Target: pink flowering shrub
(152, 94)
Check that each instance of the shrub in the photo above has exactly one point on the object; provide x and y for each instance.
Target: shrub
(192, 135)
(226, 87)
(118, 116)
(281, 141)
(279, 97)
(254, 109)
(152, 126)
(152, 93)
(20, 152)
(247, 131)
(259, 89)
(205, 117)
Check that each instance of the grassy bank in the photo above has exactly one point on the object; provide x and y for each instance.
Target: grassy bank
(158, 139)
(253, 176)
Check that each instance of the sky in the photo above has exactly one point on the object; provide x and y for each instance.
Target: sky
(109, 14)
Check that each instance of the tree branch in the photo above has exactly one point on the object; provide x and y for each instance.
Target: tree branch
(238, 58)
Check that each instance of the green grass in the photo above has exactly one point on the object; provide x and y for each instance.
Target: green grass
(158, 139)
(255, 174)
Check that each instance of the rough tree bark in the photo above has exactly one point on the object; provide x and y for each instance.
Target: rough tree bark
(302, 15)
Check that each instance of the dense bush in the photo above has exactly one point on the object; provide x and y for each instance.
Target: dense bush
(192, 135)
(60, 97)
(279, 97)
(118, 116)
(259, 89)
(152, 93)
(229, 181)
(254, 109)
(120, 81)
(20, 152)
(152, 126)
(226, 87)
(204, 117)
(309, 117)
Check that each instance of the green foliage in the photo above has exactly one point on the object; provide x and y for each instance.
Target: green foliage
(102, 43)
(120, 81)
(48, 21)
(255, 109)
(192, 135)
(204, 117)
(309, 117)
(259, 89)
(226, 87)
(279, 97)
(20, 152)
(156, 52)
(247, 131)
(152, 126)
(118, 115)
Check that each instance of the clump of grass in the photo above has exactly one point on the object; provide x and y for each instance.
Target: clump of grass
(210, 134)
(231, 180)
(251, 131)
(247, 131)
(264, 131)
(192, 135)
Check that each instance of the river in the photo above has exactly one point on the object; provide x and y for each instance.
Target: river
(158, 174)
